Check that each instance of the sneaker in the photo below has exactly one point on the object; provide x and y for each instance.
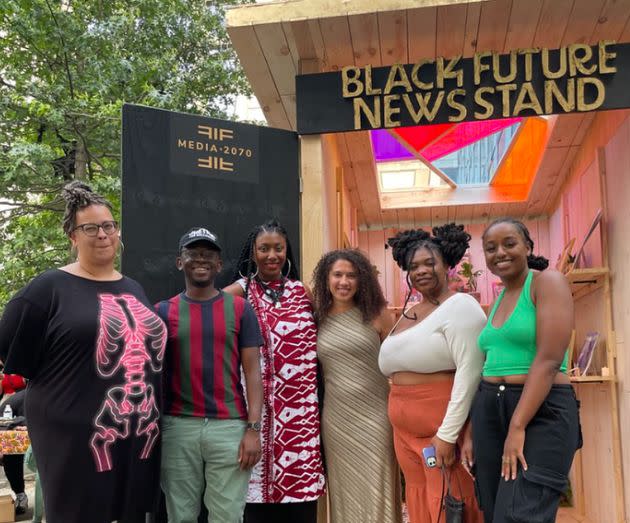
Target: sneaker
(21, 503)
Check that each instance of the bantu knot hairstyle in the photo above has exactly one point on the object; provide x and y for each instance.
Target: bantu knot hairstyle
(539, 263)
(369, 296)
(449, 241)
(246, 267)
(77, 196)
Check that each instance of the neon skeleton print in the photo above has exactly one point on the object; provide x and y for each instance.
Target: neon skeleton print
(130, 337)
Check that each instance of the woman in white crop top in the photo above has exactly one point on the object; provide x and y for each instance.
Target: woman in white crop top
(432, 359)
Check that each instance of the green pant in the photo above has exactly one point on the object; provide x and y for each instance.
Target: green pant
(197, 451)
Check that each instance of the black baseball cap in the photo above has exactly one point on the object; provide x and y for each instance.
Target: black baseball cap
(199, 234)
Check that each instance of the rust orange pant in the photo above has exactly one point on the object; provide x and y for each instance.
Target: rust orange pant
(416, 412)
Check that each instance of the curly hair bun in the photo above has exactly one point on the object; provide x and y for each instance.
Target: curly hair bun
(453, 241)
(76, 193)
(401, 243)
(539, 263)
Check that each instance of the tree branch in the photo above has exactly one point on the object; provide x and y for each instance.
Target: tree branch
(65, 54)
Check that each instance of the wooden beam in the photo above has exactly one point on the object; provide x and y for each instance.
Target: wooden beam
(312, 221)
(291, 10)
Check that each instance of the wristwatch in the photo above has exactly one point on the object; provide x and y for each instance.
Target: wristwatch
(253, 425)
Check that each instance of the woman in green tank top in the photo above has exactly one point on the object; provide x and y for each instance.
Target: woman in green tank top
(525, 422)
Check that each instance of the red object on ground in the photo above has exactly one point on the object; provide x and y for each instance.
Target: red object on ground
(12, 383)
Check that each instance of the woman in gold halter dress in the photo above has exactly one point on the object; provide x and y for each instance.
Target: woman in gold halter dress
(362, 475)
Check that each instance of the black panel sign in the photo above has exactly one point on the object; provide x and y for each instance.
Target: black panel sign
(227, 177)
(214, 148)
(524, 82)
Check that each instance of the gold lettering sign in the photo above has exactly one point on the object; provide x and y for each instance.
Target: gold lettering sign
(523, 82)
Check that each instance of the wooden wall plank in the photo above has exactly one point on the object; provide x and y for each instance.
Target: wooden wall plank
(405, 219)
(421, 33)
(422, 217)
(392, 29)
(376, 250)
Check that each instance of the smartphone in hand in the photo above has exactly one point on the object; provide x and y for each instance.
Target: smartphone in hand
(428, 453)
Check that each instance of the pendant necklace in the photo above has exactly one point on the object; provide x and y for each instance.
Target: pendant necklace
(273, 294)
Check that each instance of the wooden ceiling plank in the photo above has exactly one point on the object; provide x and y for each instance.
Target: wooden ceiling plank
(451, 27)
(554, 185)
(552, 23)
(255, 65)
(294, 48)
(278, 56)
(300, 32)
(365, 39)
(362, 159)
(565, 129)
(392, 30)
(421, 33)
(473, 15)
(493, 25)
(522, 24)
(612, 21)
(337, 42)
(315, 31)
(583, 18)
(583, 128)
(290, 109)
(625, 35)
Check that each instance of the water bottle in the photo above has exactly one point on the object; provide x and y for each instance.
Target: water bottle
(8, 412)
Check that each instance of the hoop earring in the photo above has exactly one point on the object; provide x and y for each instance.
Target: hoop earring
(121, 245)
(74, 252)
(289, 271)
(252, 276)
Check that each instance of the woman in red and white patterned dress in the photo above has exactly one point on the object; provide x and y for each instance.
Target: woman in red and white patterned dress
(288, 480)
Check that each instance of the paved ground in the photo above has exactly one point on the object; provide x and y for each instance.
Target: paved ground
(29, 483)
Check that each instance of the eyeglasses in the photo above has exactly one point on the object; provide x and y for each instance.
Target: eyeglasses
(91, 229)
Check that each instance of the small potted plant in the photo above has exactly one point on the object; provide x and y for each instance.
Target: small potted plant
(470, 275)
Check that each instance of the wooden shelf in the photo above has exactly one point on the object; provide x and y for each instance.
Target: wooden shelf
(585, 281)
(591, 379)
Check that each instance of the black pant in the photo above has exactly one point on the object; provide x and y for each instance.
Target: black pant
(302, 512)
(14, 471)
(551, 439)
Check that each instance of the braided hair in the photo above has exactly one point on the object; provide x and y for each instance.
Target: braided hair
(449, 242)
(539, 263)
(369, 296)
(246, 266)
(78, 196)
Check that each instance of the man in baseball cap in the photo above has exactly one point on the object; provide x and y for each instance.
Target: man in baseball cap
(210, 434)
(199, 234)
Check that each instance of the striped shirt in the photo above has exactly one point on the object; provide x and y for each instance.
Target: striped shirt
(202, 375)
